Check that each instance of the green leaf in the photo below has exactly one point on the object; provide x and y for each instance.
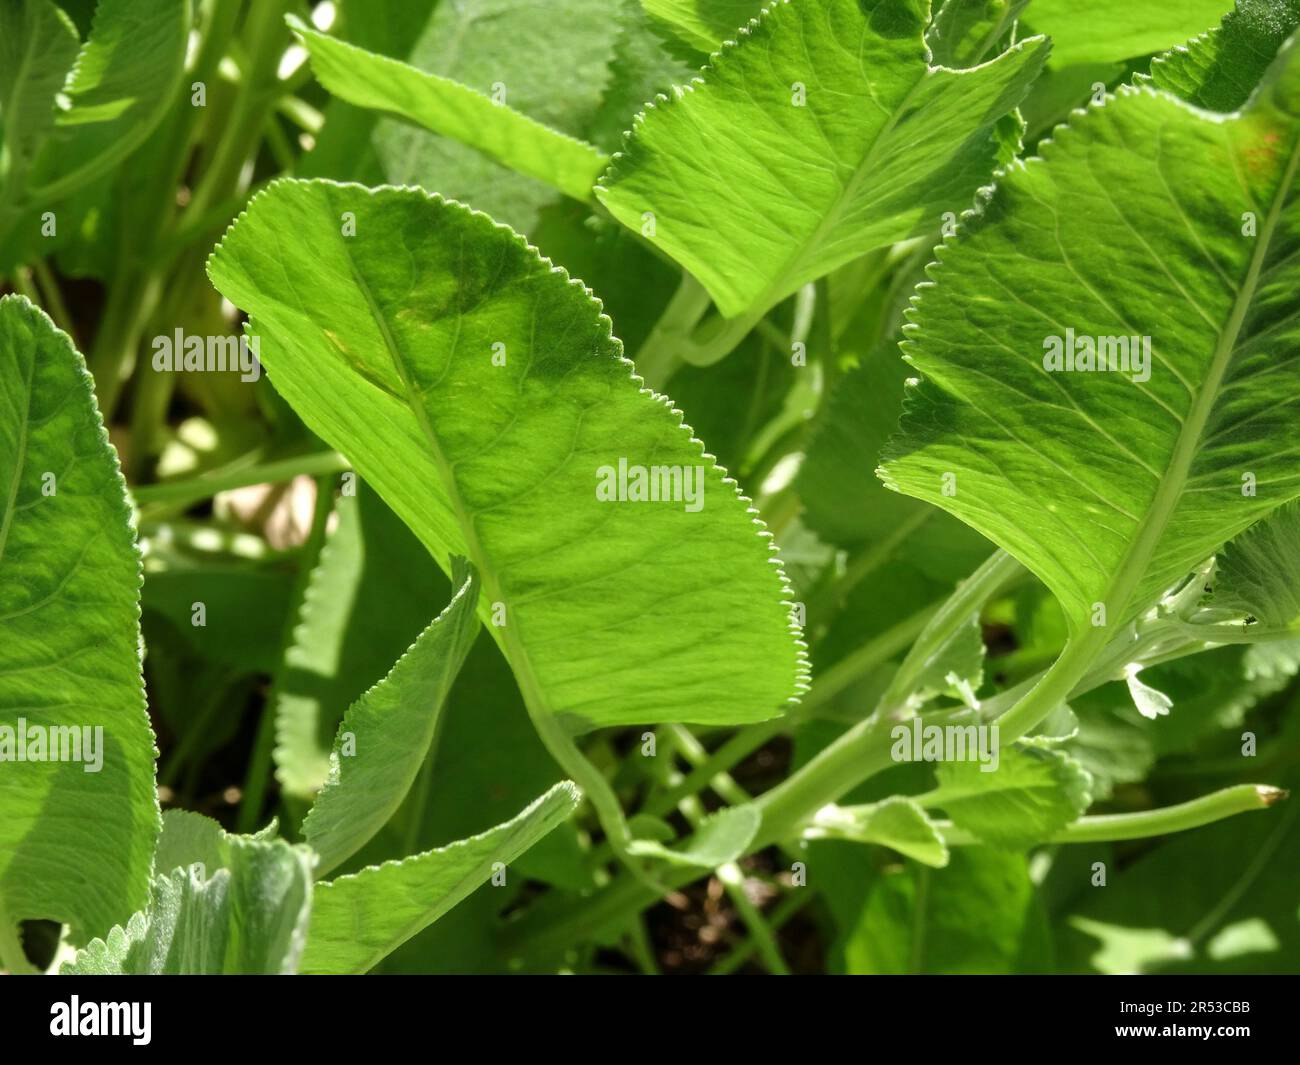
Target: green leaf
(392, 361)
(897, 822)
(477, 43)
(979, 915)
(76, 837)
(1033, 792)
(247, 917)
(1258, 573)
(189, 838)
(1106, 31)
(370, 594)
(454, 110)
(357, 920)
(719, 838)
(715, 164)
(643, 65)
(964, 31)
(38, 44)
(704, 24)
(386, 735)
(1111, 489)
(1219, 69)
(124, 80)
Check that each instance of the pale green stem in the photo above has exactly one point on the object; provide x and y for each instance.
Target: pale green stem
(781, 914)
(760, 932)
(661, 353)
(729, 873)
(1105, 828)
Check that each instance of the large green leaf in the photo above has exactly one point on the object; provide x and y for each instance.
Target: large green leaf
(1108, 485)
(454, 110)
(246, 917)
(1105, 31)
(756, 192)
(1219, 70)
(386, 734)
(479, 44)
(76, 838)
(392, 360)
(359, 919)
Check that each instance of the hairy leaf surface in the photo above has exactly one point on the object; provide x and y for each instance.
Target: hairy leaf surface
(247, 917)
(75, 846)
(1259, 572)
(391, 359)
(1219, 69)
(822, 134)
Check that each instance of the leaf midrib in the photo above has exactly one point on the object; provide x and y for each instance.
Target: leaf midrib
(516, 654)
(835, 214)
(1169, 491)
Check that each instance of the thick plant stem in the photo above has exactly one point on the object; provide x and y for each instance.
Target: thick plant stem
(1107, 828)
(1055, 687)
(661, 353)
